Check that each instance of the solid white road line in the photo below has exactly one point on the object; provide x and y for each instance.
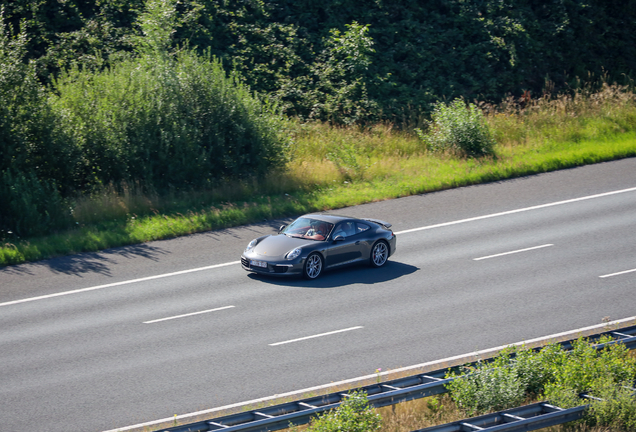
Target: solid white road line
(437, 364)
(118, 283)
(557, 203)
(619, 273)
(399, 232)
(315, 336)
(513, 252)
(188, 315)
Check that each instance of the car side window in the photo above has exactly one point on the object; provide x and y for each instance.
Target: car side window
(345, 229)
(362, 227)
(338, 231)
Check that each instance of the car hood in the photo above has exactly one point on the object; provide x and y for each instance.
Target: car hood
(279, 245)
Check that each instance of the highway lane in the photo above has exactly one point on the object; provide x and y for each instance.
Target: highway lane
(101, 359)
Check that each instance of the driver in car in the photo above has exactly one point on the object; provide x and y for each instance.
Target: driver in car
(317, 229)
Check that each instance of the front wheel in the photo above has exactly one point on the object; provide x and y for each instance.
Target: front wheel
(379, 254)
(313, 266)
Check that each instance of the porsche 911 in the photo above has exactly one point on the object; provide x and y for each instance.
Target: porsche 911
(317, 242)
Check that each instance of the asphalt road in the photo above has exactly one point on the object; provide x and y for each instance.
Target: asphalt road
(129, 335)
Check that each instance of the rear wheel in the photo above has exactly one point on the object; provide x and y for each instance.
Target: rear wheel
(313, 266)
(379, 254)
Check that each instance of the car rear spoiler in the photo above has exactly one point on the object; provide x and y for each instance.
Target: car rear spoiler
(379, 222)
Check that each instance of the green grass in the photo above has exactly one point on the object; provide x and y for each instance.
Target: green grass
(333, 167)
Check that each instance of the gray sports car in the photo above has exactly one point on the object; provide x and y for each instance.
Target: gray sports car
(316, 242)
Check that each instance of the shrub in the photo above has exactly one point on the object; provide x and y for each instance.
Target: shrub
(30, 206)
(557, 375)
(353, 415)
(485, 388)
(586, 370)
(458, 129)
(175, 124)
(30, 153)
(167, 120)
(617, 409)
(511, 377)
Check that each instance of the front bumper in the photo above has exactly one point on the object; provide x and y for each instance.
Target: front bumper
(276, 268)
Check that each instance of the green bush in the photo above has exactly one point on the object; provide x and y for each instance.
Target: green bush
(31, 155)
(557, 375)
(587, 370)
(353, 415)
(167, 120)
(163, 121)
(617, 409)
(487, 387)
(459, 129)
(179, 123)
(31, 206)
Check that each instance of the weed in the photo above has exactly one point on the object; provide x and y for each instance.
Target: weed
(459, 129)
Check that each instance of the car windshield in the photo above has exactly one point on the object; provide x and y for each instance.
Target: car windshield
(308, 228)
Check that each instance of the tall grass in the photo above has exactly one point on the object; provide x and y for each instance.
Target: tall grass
(332, 167)
(582, 116)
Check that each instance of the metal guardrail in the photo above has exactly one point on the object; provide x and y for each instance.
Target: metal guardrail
(280, 416)
(521, 419)
(525, 418)
(382, 394)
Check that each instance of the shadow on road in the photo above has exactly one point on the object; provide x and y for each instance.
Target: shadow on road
(358, 274)
(84, 263)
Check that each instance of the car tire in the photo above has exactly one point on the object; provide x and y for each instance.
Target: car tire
(313, 266)
(379, 254)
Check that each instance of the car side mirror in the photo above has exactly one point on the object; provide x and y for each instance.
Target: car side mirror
(338, 238)
(282, 227)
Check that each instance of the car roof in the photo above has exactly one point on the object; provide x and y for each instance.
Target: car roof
(339, 218)
(328, 217)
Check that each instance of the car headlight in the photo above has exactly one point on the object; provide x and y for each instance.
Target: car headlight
(293, 254)
(251, 245)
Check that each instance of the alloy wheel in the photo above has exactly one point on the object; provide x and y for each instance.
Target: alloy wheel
(380, 254)
(313, 266)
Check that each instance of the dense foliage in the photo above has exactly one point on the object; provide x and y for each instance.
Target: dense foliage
(31, 161)
(167, 95)
(348, 60)
(161, 121)
(178, 123)
(560, 376)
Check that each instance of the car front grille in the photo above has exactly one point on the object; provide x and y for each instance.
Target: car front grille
(245, 262)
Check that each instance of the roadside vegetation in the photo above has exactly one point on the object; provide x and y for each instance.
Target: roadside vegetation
(327, 167)
(517, 376)
(121, 124)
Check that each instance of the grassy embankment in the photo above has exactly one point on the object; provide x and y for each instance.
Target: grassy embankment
(331, 168)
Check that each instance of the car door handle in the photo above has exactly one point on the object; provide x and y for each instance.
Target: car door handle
(358, 242)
